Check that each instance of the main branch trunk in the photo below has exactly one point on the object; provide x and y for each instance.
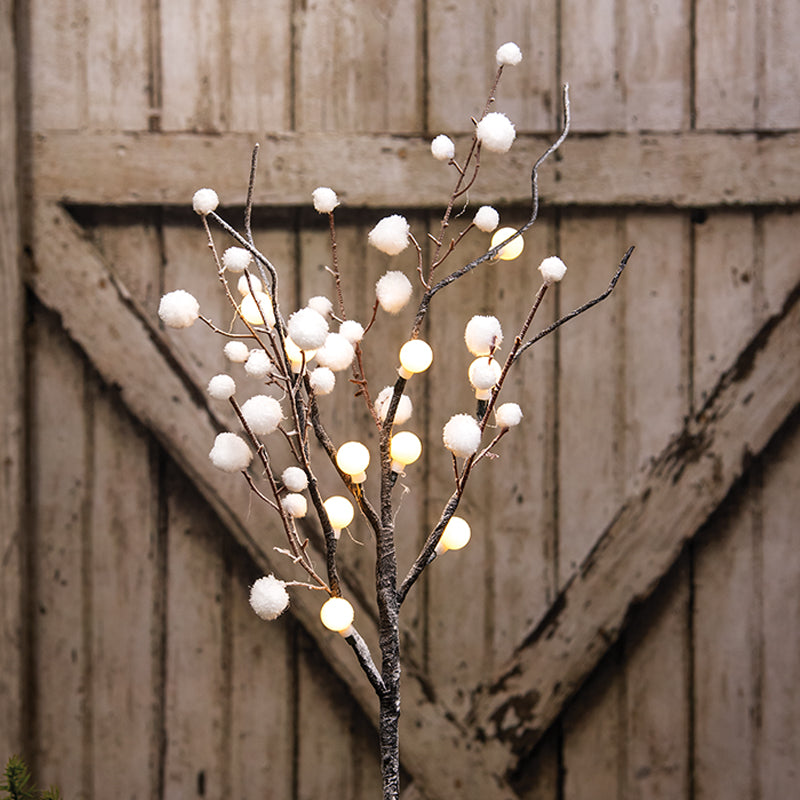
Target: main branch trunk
(390, 742)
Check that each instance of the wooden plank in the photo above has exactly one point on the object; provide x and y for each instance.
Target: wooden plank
(96, 311)
(726, 64)
(676, 170)
(778, 107)
(685, 484)
(356, 67)
(11, 404)
(461, 52)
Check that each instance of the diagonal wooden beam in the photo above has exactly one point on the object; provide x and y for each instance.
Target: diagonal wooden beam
(689, 480)
(70, 277)
(378, 170)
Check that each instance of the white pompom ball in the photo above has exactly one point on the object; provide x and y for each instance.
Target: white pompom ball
(393, 291)
(238, 352)
(390, 235)
(322, 380)
(258, 364)
(262, 413)
(508, 55)
(321, 304)
(205, 201)
(486, 219)
(337, 353)
(295, 505)
(178, 309)
(508, 415)
(483, 335)
(268, 597)
(484, 373)
(442, 148)
(221, 387)
(352, 331)
(496, 132)
(230, 453)
(325, 199)
(462, 435)
(294, 479)
(236, 259)
(553, 269)
(307, 329)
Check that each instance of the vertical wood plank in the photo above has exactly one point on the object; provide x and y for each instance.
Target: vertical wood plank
(461, 52)
(779, 753)
(356, 66)
(123, 530)
(195, 713)
(726, 62)
(540, 777)
(60, 490)
(779, 263)
(12, 414)
(778, 106)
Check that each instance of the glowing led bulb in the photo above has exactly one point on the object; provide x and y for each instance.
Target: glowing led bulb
(353, 459)
(252, 306)
(404, 449)
(337, 614)
(512, 249)
(295, 354)
(244, 285)
(455, 535)
(340, 513)
(415, 356)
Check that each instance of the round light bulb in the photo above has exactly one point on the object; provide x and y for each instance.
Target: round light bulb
(455, 535)
(484, 373)
(337, 614)
(249, 309)
(340, 513)
(295, 354)
(353, 459)
(512, 249)
(405, 448)
(244, 285)
(415, 356)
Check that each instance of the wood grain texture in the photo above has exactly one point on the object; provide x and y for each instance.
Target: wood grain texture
(12, 478)
(674, 170)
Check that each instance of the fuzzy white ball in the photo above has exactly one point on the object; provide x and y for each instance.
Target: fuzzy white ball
(337, 353)
(268, 597)
(236, 259)
(508, 55)
(244, 287)
(294, 479)
(321, 304)
(404, 405)
(308, 329)
(443, 148)
(462, 435)
(486, 219)
(553, 269)
(237, 352)
(352, 331)
(230, 453)
(258, 364)
(178, 309)
(390, 235)
(483, 335)
(393, 290)
(205, 201)
(322, 380)
(325, 199)
(484, 373)
(221, 387)
(496, 132)
(262, 413)
(508, 415)
(295, 505)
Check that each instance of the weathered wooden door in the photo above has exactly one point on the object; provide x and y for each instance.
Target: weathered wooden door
(624, 623)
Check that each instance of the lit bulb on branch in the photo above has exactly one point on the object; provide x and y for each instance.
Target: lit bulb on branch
(297, 356)
(353, 459)
(484, 372)
(248, 283)
(340, 513)
(455, 535)
(252, 307)
(415, 357)
(404, 449)
(513, 249)
(337, 615)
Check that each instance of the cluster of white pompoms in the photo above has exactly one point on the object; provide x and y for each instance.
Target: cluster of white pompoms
(308, 329)
(205, 201)
(230, 453)
(508, 55)
(496, 132)
(508, 415)
(393, 291)
(236, 259)
(390, 235)
(268, 597)
(486, 219)
(296, 481)
(404, 405)
(178, 309)
(262, 413)
(553, 269)
(462, 435)
(483, 335)
(443, 148)
(325, 199)
(221, 387)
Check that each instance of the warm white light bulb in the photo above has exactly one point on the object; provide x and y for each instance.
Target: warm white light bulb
(405, 449)
(415, 356)
(353, 459)
(337, 614)
(512, 249)
(484, 373)
(252, 306)
(455, 535)
(340, 513)
(248, 282)
(295, 354)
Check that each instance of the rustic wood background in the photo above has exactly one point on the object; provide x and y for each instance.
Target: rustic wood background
(625, 622)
